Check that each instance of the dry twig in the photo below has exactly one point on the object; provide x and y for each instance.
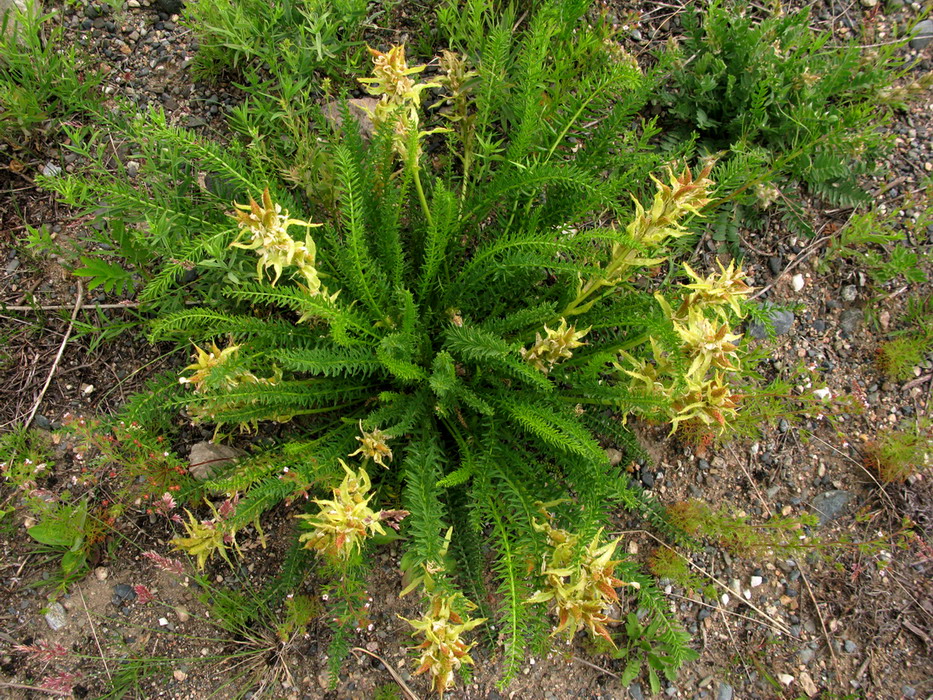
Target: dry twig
(819, 614)
(58, 357)
(397, 678)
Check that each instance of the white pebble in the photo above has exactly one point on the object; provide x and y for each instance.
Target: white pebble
(163, 622)
(797, 282)
(756, 581)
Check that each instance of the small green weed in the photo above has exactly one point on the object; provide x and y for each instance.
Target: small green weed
(25, 457)
(298, 37)
(389, 691)
(782, 102)
(67, 532)
(908, 348)
(667, 563)
(896, 454)
(641, 650)
(41, 84)
(779, 535)
(879, 246)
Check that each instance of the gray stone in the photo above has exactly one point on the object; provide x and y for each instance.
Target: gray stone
(11, 266)
(851, 320)
(132, 168)
(782, 321)
(207, 458)
(923, 34)
(123, 592)
(360, 109)
(51, 169)
(724, 692)
(849, 292)
(829, 505)
(635, 692)
(42, 422)
(850, 646)
(56, 617)
(169, 7)
(15, 7)
(775, 264)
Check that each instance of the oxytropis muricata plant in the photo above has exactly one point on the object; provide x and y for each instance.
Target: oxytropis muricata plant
(489, 323)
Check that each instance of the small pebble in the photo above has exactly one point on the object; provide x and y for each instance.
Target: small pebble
(55, 616)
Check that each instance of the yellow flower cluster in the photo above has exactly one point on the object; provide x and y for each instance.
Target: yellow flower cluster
(207, 362)
(205, 538)
(373, 446)
(648, 231)
(557, 345)
(580, 587)
(683, 195)
(399, 95)
(443, 651)
(344, 522)
(705, 396)
(267, 227)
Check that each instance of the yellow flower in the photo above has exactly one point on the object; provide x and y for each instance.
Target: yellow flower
(268, 235)
(206, 362)
(711, 402)
(647, 375)
(400, 96)
(205, 538)
(724, 289)
(706, 342)
(648, 231)
(343, 523)
(684, 195)
(373, 446)
(581, 587)
(557, 345)
(390, 75)
(443, 651)
(205, 365)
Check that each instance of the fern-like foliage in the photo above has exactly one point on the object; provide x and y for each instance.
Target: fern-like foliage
(440, 286)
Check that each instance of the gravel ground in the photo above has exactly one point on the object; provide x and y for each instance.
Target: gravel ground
(858, 620)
